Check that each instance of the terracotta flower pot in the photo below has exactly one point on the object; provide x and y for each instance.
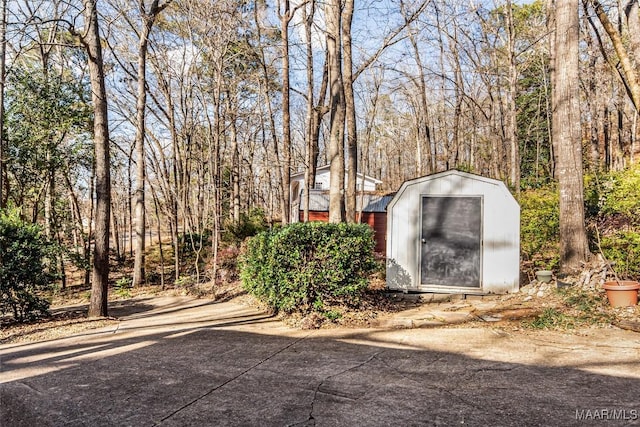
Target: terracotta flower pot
(623, 293)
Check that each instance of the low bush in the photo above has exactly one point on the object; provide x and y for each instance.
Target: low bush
(23, 273)
(623, 249)
(619, 193)
(307, 267)
(613, 203)
(249, 225)
(540, 225)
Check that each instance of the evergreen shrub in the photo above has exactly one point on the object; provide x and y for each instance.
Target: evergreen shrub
(614, 199)
(540, 227)
(307, 267)
(23, 273)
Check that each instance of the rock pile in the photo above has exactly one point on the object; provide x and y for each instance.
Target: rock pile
(592, 276)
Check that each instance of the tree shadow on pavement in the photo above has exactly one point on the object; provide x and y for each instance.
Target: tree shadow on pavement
(240, 372)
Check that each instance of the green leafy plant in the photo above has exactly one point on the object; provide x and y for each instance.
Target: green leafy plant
(539, 227)
(306, 267)
(619, 193)
(24, 272)
(622, 249)
(184, 281)
(332, 315)
(551, 318)
(250, 224)
(613, 203)
(122, 288)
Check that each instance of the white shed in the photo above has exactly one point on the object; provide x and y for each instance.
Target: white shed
(453, 232)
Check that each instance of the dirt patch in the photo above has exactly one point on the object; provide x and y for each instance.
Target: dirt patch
(58, 325)
(535, 306)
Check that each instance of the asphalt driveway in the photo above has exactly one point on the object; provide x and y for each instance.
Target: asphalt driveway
(186, 362)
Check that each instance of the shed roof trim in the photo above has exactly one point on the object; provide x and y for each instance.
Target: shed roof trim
(453, 172)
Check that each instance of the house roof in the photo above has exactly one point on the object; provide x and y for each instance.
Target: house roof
(326, 168)
(319, 202)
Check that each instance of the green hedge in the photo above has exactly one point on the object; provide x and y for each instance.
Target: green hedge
(305, 267)
(24, 252)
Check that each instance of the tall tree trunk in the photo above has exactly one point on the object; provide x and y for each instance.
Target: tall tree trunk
(350, 113)
(574, 249)
(337, 112)
(286, 116)
(591, 83)
(512, 112)
(312, 147)
(141, 106)
(235, 160)
(148, 19)
(3, 136)
(314, 136)
(100, 277)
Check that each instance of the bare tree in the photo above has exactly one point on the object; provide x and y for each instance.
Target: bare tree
(148, 19)
(631, 80)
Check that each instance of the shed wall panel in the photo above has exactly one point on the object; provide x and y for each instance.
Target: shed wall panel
(500, 230)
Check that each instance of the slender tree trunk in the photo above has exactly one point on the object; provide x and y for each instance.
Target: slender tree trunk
(114, 234)
(309, 119)
(286, 116)
(350, 113)
(512, 112)
(100, 277)
(235, 161)
(574, 249)
(148, 19)
(3, 136)
(592, 101)
(159, 231)
(337, 112)
(140, 212)
(316, 122)
(551, 29)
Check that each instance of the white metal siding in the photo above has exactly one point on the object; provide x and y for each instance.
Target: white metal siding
(501, 231)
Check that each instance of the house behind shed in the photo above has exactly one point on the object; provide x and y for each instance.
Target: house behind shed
(370, 208)
(453, 232)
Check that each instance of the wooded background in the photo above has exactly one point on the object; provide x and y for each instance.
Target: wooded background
(128, 123)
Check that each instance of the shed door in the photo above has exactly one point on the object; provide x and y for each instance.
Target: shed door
(451, 241)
